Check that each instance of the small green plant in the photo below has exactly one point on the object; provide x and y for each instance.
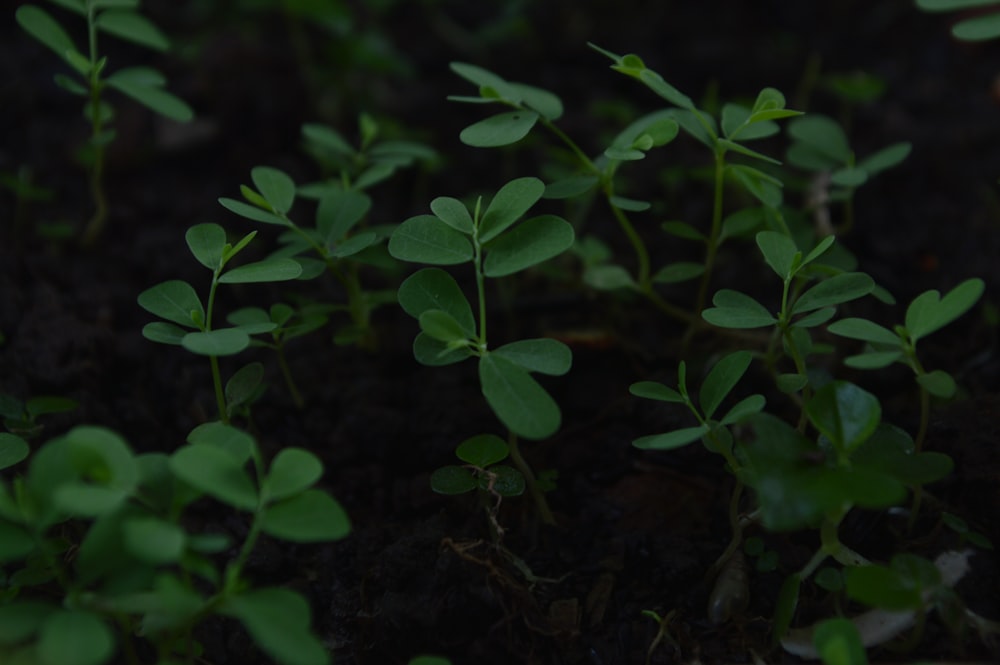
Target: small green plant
(145, 85)
(496, 245)
(482, 472)
(337, 238)
(189, 323)
(21, 418)
(96, 556)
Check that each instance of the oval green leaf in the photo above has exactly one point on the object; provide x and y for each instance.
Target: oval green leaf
(499, 130)
(426, 239)
(530, 243)
(517, 399)
(311, 516)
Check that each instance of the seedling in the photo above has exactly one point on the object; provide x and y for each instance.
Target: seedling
(335, 238)
(359, 168)
(926, 314)
(137, 570)
(189, 323)
(482, 472)
(21, 418)
(820, 147)
(496, 245)
(145, 85)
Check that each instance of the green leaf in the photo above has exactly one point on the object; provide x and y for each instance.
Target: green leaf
(338, 211)
(174, 301)
(849, 177)
(864, 329)
(570, 187)
(138, 86)
(671, 440)
(153, 540)
(164, 333)
(22, 619)
(517, 399)
(631, 205)
(426, 239)
(938, 383)
(546, 103)
(15, 544)
(236, 443)
(453, 212)
(508, 205)
(328, 138)
(435, 353)
(745, 407)
(39, 24)
(13, 449)
(885, 158)
(788, 601)
(780, 252)
(838, 642)
(251, 212)
(277, 188)
(217, 473)
(132, 27)
(486, 79)
(504, 480)
(433, 288)
(499, 130)
(817, 318)
(844, 413)
(278, 621)
(292, 471)
(682, 271)
(823, 136)
(74, 637)
(221, 342)
(834, 291)
(442, 326)
(737, 310)
(482, 450)
(890, 451)
(880, 586)
(791, 383)
(244, 384)
(763, 187)
(608, 278)
(530, 243)
(657, 391)
(873, 359)
(929, 312)
(978, 29)
(723, 377)
(743, 150)
(544, 355)
(268, 270)
(453, 480)
(684, 230)
(311, 516)
(207, 242)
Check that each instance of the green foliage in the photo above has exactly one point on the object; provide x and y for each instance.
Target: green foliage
(89, 79)
(187, 322)
(482, 470)
(137, 568)
(838, 642)
(978, 28)
(498, 243)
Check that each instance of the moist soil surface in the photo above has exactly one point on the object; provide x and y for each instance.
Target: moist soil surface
(634, 530)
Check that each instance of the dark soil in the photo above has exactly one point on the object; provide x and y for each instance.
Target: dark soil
(636, 531)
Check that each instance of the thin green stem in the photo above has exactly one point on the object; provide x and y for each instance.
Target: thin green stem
(544, 512)
(220, 395)
(286, 372)
(712, 243)
(95, 226)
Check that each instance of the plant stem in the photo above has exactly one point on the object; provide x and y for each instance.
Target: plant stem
(286, 372)
(711, 244)
(220, 395)
(544, 512)
(95, 227)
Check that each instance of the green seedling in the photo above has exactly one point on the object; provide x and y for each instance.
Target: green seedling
(189, 323)
(359, 168)
(337, 238)
(96, 555)
(119, 18)
(497, 244)
(482, 472)
(736, 126)
(926, 314)
(21, 418)
(283, 323)
(800, 308)
(820, 146)
(855, 460)
(985, 25)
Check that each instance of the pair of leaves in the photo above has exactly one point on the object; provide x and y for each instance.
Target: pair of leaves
(214, 463)
(482, 454)
(510, 127)
(719, 382)
(59, 636)
(819, 144)
(977, 28)
(926, 314)
(448, 236)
